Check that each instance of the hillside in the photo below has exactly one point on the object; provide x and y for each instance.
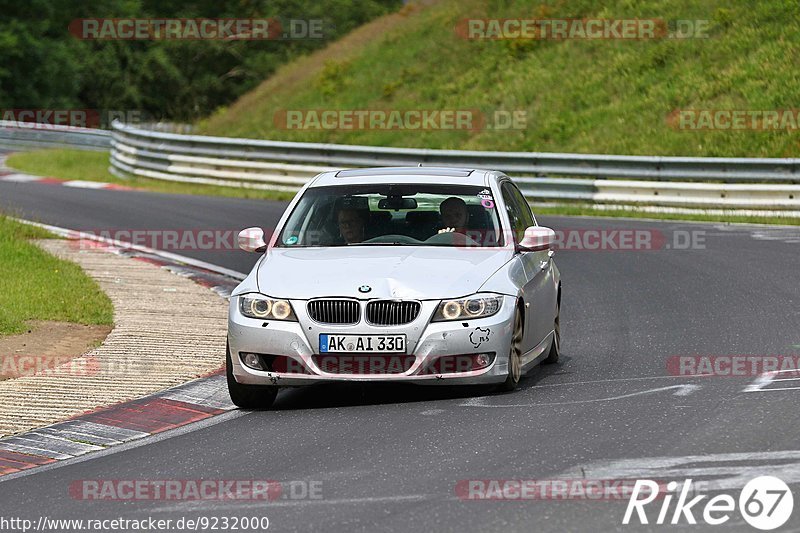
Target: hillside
(56, 57)
(578, 95)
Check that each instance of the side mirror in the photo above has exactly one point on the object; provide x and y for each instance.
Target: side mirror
(537, 238)
(252, 240)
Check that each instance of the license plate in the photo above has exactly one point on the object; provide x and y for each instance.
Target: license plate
(362, 343)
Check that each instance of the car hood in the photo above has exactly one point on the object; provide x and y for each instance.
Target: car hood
(405, 272)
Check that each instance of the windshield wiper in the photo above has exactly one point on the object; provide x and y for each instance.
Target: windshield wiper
(395, 243)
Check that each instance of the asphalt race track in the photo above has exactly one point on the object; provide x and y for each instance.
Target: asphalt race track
(390, 458)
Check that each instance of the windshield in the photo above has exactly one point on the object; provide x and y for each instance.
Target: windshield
(394, 215)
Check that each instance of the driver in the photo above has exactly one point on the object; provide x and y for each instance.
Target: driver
(454, 215)
(352, 224)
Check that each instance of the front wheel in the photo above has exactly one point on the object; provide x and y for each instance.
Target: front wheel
(514, 357)
(248, 396)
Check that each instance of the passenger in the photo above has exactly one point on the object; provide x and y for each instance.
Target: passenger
(352, 224)
(455, 215)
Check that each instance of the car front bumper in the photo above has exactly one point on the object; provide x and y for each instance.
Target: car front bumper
(425, 342)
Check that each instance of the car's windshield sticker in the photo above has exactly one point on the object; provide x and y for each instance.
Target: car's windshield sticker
(486, 199)
(291, 240)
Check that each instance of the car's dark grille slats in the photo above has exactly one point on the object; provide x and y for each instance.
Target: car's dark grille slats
(392, 313)
(334, 311)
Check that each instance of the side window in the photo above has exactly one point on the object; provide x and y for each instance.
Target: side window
(515, 213)
(524, 207)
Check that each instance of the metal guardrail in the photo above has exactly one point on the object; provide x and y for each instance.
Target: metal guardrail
(338, 155)
(29, 135)
(150, 152)
(588, 178)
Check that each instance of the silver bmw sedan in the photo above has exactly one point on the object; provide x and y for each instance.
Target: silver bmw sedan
(421, 275)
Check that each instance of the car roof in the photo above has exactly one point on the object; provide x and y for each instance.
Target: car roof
(386, 175)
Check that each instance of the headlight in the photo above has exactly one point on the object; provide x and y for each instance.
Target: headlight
(477, 306)
(264, 308)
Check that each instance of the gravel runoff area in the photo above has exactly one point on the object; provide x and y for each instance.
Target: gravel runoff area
(167, 330)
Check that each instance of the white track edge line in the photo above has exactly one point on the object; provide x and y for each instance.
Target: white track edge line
(64, 232)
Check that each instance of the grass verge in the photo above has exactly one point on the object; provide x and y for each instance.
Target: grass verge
(34, 285)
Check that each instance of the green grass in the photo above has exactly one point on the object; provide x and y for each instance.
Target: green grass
(585, 96)
(34, 285)
(64, 164)
(93, 166)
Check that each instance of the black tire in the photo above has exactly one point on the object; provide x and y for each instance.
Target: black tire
(514, 357)
(555, 348)
(248, 396)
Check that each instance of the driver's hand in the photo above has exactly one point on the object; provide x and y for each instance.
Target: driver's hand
(446, 230)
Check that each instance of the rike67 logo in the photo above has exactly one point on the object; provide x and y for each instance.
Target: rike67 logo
(765, 503)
